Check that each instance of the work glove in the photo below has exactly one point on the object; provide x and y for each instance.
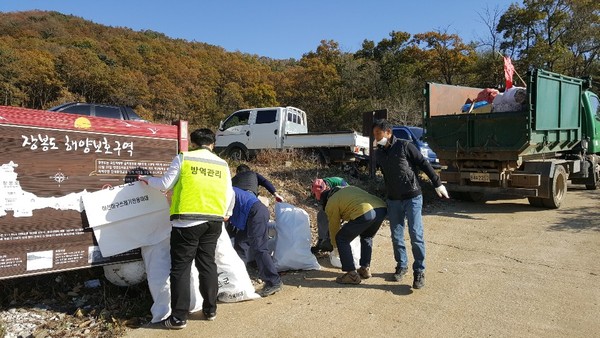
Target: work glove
(278, 197)
(442, 192)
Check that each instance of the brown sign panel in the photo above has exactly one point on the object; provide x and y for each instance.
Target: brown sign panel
(447, 99)
(48, 161)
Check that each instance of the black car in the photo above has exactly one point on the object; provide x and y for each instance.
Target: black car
(98, 110)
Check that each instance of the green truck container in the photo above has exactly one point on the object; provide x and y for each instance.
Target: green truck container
(532, 152)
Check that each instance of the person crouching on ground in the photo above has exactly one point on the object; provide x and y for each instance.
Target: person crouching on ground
(318, 187)
(363, 214)
(251, 218)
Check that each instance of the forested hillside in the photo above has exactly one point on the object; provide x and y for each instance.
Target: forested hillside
(47, 58)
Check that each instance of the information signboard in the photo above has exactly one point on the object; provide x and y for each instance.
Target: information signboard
(48, 161)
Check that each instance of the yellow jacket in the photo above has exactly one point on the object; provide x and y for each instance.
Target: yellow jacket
(347, 204)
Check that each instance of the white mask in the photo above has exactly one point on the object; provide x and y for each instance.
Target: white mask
(383, 141)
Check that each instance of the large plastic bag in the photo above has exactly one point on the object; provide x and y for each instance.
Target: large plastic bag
(157, 261)
(512, 99)
(334, 257)
(293, 239)
(234, 282)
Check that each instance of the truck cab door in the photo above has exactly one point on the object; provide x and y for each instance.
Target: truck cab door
(593, 130)
(236, 128)
(264, 129)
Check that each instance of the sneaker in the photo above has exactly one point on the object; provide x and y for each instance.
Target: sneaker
(419, 280)
(364, 272)
(209, 315)
(172, 323)
(350, 277)
(400, 272)
(268, 290)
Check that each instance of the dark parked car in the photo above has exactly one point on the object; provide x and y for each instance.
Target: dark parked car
(415, 135)
(98, 110)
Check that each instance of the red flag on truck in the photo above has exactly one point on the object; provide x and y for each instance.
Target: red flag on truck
(509, 70)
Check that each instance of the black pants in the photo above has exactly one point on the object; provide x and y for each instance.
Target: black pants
(251, 244)
(197, 243)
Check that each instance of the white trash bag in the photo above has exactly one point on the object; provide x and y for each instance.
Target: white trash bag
(334, 256)
(234, 282)
(293, 239)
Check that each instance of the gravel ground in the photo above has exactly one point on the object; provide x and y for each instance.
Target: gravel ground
(496, 269)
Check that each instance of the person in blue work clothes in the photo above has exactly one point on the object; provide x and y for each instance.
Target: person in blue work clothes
(202, 199)
(400, 162)
(251, 217)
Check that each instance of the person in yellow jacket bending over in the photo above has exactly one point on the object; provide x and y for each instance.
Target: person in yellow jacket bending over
(363, 214)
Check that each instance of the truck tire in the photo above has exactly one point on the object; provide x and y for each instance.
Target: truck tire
(558, 188)
(237, 154)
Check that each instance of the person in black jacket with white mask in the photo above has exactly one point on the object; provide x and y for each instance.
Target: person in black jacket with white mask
(400, 162)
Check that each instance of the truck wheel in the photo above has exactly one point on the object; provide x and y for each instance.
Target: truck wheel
(237, 154)
(558, 188)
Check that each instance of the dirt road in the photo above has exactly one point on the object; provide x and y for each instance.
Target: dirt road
(499, 268)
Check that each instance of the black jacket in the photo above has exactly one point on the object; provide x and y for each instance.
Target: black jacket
(250, 180)
(400, 164)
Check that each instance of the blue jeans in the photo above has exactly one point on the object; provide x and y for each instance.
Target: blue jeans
(366, 227)
(409, 210)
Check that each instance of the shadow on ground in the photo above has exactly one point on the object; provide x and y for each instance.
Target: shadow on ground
(325, 279)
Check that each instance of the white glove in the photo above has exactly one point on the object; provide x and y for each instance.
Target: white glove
(441, 191)
(278, 197)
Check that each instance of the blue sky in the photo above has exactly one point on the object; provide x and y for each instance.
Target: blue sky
(278, 29)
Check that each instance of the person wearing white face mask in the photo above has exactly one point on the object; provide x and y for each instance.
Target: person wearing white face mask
(400, 162)
(383, 142)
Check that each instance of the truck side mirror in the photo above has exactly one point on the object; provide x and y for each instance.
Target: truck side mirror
(221, 125)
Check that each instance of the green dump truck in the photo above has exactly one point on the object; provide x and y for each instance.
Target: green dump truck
(532, 152)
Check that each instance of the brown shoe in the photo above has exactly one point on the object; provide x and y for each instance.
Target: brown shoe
(350, 277)
(364, 272)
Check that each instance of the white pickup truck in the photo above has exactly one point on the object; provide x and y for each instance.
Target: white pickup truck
(246, 131)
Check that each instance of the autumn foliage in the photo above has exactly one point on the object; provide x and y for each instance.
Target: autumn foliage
(48, 58)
